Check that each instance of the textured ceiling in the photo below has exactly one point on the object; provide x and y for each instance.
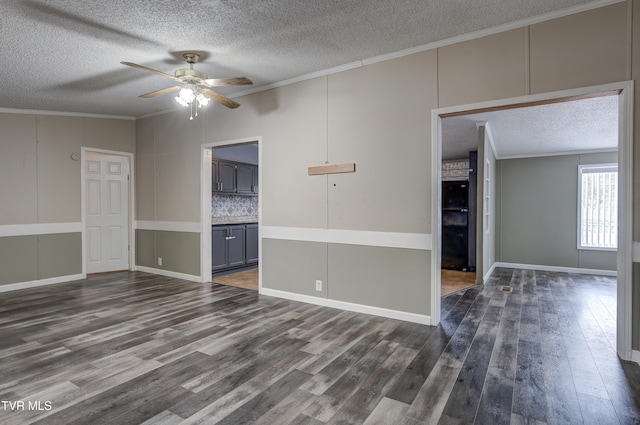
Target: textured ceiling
(64, 55)
(558, 128)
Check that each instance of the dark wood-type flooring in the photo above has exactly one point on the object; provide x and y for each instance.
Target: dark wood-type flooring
(132, 348)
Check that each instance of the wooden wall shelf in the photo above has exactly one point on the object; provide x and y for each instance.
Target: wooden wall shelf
(332, 169)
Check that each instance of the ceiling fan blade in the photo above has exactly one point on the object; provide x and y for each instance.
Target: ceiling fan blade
(159, 92)
(221, 99)
(220, 82)
(144, 68)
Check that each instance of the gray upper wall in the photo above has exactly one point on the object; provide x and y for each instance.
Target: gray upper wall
(539, 217)
(40, 181)
(41, 184)
(378, 116)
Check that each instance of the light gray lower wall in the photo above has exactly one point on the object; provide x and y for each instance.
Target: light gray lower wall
(392, 278)
(18, 259)
(34, 257)
(294, 266)
(59, 255)
(180, 251)
(146, 248)
(539, 216)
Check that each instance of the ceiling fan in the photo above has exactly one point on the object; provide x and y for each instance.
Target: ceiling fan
(194, 85)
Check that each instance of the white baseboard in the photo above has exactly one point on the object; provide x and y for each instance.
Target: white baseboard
(169, 273)
(343, 305)
(488, 274)
(635, 356)
(556, 269)
(41, 282)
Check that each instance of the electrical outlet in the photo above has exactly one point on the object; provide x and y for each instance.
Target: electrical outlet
(159, 261)
(318, 285)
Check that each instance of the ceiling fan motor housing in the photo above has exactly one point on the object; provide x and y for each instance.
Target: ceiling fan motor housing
(190, 74)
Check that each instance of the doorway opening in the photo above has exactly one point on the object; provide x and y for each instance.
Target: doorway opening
(459, 206)
(489, 164)
(231, 213)
(107, 205)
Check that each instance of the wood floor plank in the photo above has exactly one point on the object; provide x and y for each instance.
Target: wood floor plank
(136, 348)
(268, 399)
(387, 412)
(434, 394)
(597, 411)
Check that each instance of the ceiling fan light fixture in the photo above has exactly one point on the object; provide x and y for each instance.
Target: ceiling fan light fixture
(181, 101)
(194, 85)
(187, 95)
(202, 100)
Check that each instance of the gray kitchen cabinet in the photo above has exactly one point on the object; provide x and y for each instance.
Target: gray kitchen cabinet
(234, 177)
(246, 178)
(219, 248)
(227, 176)
(236, 245)
(233, 245)
(251, 235)
(215, 184)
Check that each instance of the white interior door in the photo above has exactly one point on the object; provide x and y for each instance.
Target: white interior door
(107, 213)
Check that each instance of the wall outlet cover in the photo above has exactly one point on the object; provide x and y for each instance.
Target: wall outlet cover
(318, 285)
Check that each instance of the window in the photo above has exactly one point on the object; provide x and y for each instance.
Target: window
(598, 206)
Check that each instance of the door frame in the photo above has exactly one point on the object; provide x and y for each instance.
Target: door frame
(625, 90)
(85, 152)
(205, 203)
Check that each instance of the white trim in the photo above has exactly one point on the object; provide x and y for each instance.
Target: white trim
(636, 252)
(204, 227)
(205, 214)
(429, 46)
(63, 114)
(169, 273)
(39, 229)
(489, 135)
(421, 241)
(635, 356)
(625, 221)
(84, 151)
(576, 270)
(40, 282)
(169, 226)
(436, 216)
(304, 234)
(344, 305)
(625, 210)
(542, 155)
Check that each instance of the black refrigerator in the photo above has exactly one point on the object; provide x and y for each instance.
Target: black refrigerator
(455, 225)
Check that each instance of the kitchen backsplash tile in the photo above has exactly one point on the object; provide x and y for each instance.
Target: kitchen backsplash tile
(455, 170)
(234, 206)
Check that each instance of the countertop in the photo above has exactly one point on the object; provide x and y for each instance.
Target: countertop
(233, 220)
